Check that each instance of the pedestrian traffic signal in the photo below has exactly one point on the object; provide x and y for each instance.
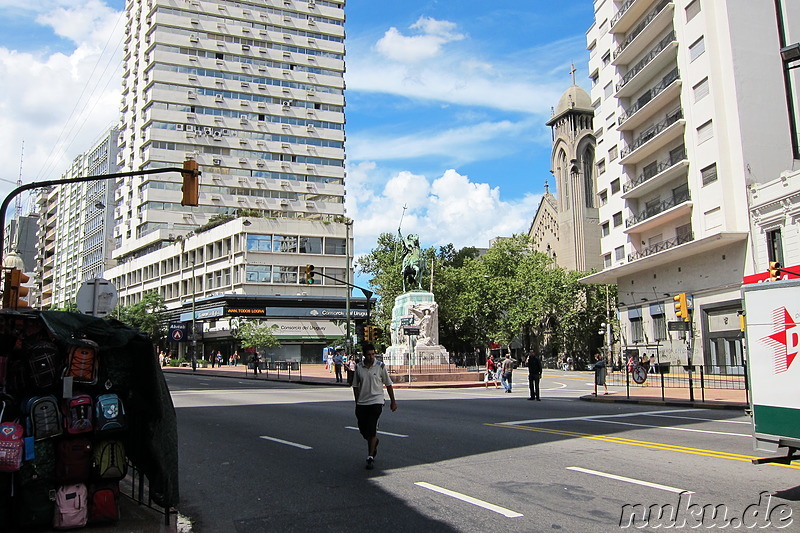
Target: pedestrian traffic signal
(310, 274)
(774, 271)
(191, 183)
(681, 306)
(13, 291)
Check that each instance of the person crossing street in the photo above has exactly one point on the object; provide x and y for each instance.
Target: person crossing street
(368, 382)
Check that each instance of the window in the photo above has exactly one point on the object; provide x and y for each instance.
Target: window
(603, 197)
(311, 245)
(692, 10)
(607, 261)
(615, 186)
(774, 246)
(684, 233)
(700, 90)
(696, 49)
(284, 274)
(284, 243)
(648, 171)
(613, 153)
(608, 90)
(705, 132)
(637, 330)
(601, 167)
(606, 58)
(659, 326)
(605, 229)
(258, 273)
(337, 273)
(619, 253)
(335, 246)
(709, 174)
(618, 219)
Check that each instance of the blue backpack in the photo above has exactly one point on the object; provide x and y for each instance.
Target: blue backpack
(109, 413)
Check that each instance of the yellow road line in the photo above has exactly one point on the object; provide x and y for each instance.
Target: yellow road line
(641, 443)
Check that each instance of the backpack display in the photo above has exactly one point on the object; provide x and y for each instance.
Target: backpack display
(34, 505)
(78, 414)
(109, 413)
(12, 446)
(43, 365)
(42, 466)
(104, 502)
(44, 417)
(109, 460)
(74, 460)
(71, 506)
(82, 363)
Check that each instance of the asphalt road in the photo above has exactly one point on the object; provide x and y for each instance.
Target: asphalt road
(266, 456)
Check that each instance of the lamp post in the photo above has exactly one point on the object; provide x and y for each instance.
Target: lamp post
(194, 321)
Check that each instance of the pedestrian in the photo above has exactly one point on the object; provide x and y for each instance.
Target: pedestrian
(211, 358)
(338, 361)
(600, 373)
(256, 361)
(219, 359)
(491, 372)
(350, 367)
(235, 357)
(507, 367)
(534, 364)
(653, 366)
(329, 362)
(369, 379)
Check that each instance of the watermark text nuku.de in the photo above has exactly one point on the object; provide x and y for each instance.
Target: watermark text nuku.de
(686, 514)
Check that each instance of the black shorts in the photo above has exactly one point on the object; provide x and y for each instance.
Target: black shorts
(367, 416)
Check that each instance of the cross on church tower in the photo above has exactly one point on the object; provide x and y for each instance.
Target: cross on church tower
(573, 71)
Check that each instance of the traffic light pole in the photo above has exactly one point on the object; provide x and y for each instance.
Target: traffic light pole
(367, 293)
(52, 183)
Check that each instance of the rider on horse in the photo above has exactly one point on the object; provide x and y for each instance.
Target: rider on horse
(413, 264)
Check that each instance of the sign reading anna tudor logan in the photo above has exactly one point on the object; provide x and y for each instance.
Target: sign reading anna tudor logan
(317, 329)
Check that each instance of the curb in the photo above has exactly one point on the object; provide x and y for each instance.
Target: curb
(668, 403)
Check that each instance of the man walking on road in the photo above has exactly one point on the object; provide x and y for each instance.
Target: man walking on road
(534, 364)
(368, 381)
(507, 367)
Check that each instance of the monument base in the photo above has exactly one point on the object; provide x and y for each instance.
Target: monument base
(417, 309)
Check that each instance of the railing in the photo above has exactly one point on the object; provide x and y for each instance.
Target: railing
(668, 80)
(140, 492)
(458, 363)
(661, 246)
(642, 25)
(666, 375)
(653, 132)
(653, 171)
(622, 9)
(662, 44)
(654, 210)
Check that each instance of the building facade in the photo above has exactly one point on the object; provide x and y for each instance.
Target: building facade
(690, 109)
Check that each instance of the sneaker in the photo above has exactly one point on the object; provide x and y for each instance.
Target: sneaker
(370, 463)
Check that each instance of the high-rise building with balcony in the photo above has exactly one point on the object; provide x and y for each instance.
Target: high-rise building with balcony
(690, 107)
(254, 92)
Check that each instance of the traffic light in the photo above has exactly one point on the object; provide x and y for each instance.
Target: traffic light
(363, 332)
(373, 333)
(13, 289)
(310, 274)
(681, 306)
(774, 271)
(191, 183)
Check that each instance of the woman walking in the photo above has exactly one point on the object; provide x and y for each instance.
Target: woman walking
(491, 372)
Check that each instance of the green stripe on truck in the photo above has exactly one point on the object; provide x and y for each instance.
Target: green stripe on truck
(779, 421)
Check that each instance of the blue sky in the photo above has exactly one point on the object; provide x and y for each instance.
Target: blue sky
(446, 104)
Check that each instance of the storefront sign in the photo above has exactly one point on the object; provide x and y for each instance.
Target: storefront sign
(306, 329)
(245, 311)
(316, 312)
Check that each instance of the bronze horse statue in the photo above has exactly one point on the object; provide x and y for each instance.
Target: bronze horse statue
(413, 264)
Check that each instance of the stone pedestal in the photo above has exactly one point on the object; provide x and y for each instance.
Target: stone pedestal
(417, 309)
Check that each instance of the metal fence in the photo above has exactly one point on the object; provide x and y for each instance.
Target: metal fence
(136, 487)
(469, 362)
(695, 377)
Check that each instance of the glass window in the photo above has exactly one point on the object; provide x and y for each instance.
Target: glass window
(335, 246)
(258, 273)
(615, 186)
(259, 243)
(613, 153)
(775, 246)
(692, 10)
(605, 229)
(637, 330)
(617, 218)
(337, 273)
(607, 260)
(284, 243)
(619, 253)
(601, 167)
(310, 245)
(709, 174)
(603, 197)
(282, 274)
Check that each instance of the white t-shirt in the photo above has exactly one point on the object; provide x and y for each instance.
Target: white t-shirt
(370, 382)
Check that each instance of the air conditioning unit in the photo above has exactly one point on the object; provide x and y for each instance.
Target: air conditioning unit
(226, 131)
(194, 21)
(190, 135)
(284, 183)
(192, 95)
(207, 130)
(260, 162)
(179, 127)
(190, 127)
(216, 161)
(287, 103)
(244, 46)
(218, 97)
(192, 77)
(262, 105)
(243, 160)
(242, 141)
(218, 134)
(193, 38)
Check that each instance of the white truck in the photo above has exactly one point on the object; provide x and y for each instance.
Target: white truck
(772, 335)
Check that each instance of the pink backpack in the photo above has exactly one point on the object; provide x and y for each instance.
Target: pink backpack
(72, 507)
(11, 445)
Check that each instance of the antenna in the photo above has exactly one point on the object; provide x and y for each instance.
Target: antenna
(18, 200)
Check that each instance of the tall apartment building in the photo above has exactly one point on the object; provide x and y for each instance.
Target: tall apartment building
(254, 92)
(690, 109)
(75, 226)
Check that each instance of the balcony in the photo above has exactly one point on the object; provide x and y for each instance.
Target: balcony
(661, 246)
(656, 215)
(653, 139)
(665, 91)
(644, 32)
(664, 53)
(654, 176)
(628, 14)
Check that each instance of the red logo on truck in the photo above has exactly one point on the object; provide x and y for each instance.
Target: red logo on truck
(785, 342)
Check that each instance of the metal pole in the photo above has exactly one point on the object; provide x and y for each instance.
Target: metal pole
(194, 323)
(689, 360)
(348, 251)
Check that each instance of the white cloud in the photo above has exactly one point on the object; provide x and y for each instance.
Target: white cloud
(415, 48)
(448, 209)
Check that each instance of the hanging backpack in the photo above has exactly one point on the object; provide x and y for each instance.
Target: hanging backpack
(43, 417)
(34, 505)
(74, 460)
(78, 414)
(109, 460)
(109, 413)
(82, 362)
(12, 445)
(42, 466)
(71, 507)
(43, 364)
(104, 502)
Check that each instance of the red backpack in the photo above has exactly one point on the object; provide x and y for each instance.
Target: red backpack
(78, 414)
(82, 362)
(104, 502)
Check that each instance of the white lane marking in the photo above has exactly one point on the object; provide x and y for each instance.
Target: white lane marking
(469, 499)
(705, 419)
(288, 443)
(629, 480)
(381, 432)
(561, 386)
(594, 417)
(690, 430)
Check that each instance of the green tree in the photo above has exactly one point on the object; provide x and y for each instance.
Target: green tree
(147, 315)
(256, 334)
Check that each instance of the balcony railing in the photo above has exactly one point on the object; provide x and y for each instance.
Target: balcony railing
(661, 246)
(653, 132)
(656, 209)
(638, 67)
(623, 8)
(652, 171)
(641, 26)
(645, 99)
